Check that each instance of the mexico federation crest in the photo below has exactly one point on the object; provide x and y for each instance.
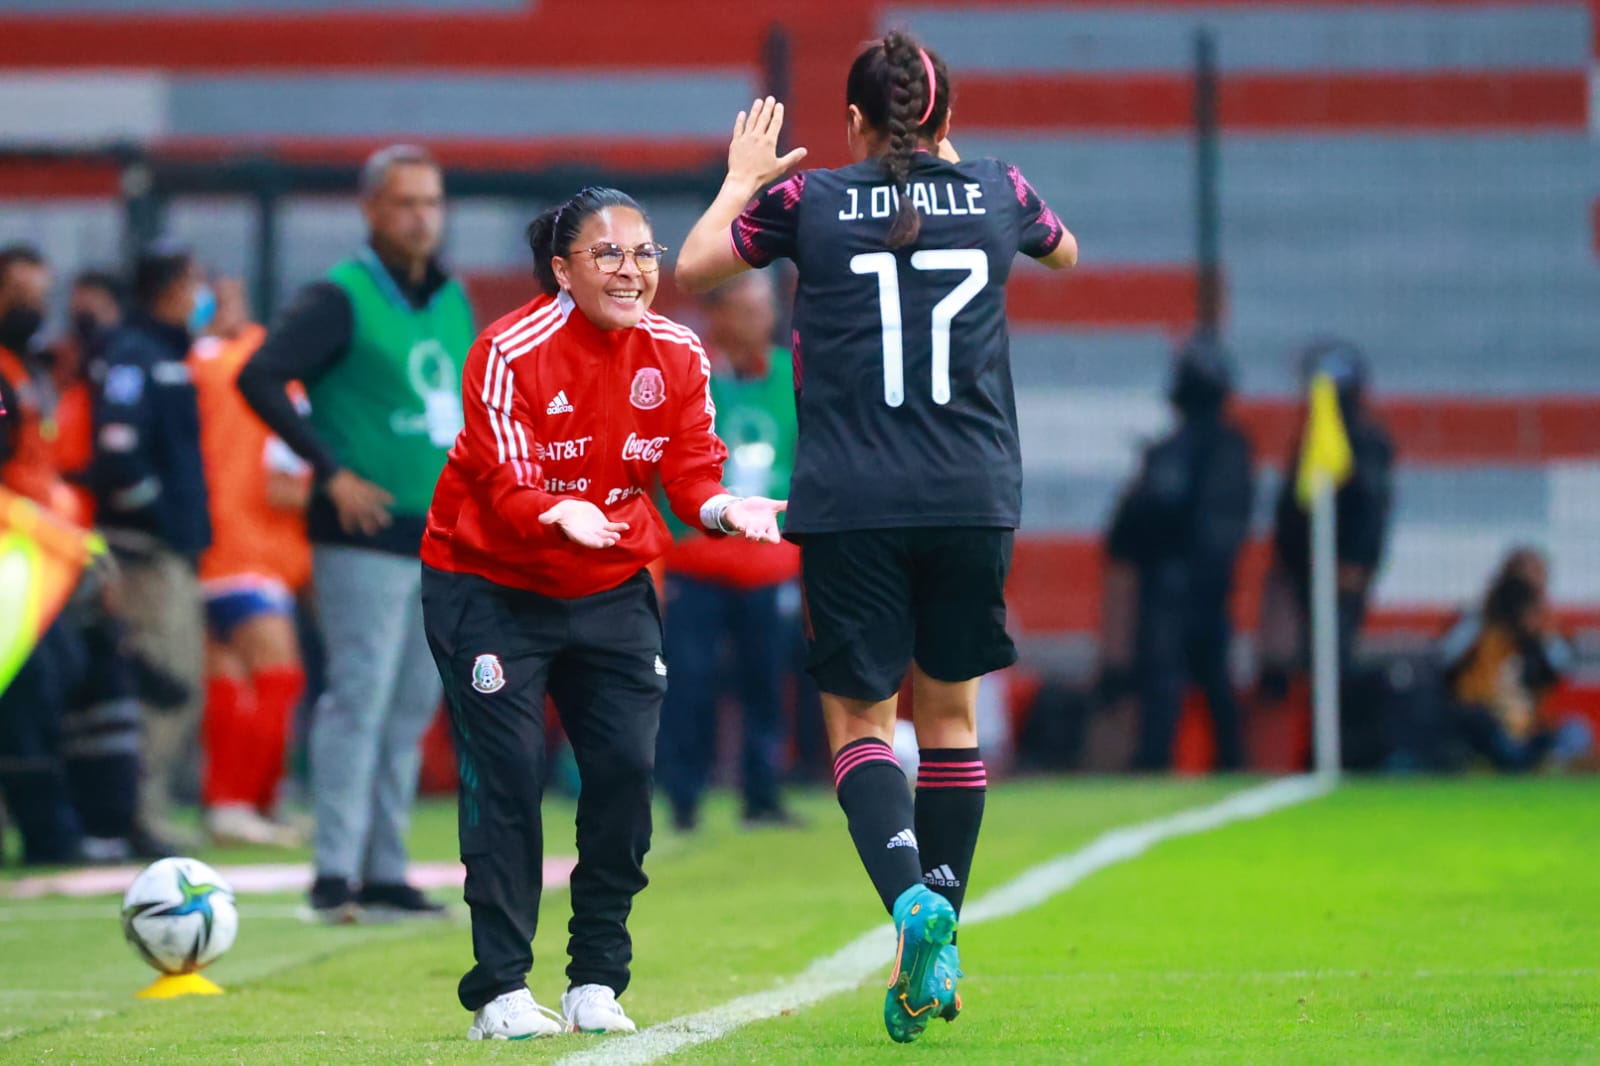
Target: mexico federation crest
(649, 389)
(487, 674)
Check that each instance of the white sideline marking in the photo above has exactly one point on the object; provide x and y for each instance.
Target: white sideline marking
(250, 879)
(1306, 975)
(868, 953)
(111, 912)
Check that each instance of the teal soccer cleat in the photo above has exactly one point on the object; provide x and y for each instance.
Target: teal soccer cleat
(925, 923)
(946, 973)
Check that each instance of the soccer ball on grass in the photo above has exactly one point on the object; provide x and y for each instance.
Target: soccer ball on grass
(179, 915)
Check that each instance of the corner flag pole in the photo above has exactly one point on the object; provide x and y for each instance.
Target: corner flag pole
(1324, 626)
(1325, 464)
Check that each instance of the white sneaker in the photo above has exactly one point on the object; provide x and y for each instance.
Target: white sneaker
(594, 1009)
(514, 1016)
(106, 851)
(237, 823)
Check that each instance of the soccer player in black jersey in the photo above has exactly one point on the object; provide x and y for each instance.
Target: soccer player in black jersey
(908, 477)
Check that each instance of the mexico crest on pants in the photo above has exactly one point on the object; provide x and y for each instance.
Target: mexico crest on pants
(487, 674)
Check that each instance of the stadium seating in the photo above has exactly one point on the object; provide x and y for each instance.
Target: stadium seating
(1421, 177)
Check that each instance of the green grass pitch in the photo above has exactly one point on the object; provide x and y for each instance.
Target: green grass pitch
(1390, 922)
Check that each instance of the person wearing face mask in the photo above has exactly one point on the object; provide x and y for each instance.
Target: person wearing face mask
(251, 575)
(69, 721)
(24, 291)
(535, 581)
(27, 429)
(378, 346)
(94, 310)
(33, 707)
(149, 483)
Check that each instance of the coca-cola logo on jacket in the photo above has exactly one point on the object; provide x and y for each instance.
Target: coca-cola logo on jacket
(644, 449)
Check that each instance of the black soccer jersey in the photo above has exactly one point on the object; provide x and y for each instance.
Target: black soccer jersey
(902, 358)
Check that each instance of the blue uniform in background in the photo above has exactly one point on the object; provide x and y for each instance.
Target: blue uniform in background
(148, 475)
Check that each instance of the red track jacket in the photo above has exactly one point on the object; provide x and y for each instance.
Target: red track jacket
(555, 408)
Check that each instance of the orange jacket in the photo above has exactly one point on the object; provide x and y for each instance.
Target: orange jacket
(31, 471)
(250, 537)
(74, 443)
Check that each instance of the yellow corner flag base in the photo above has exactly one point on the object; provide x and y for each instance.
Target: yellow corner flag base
(172, 986)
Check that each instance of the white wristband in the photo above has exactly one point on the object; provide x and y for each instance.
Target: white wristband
(713, 510)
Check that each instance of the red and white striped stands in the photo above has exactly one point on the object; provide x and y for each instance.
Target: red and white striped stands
(1423, 177)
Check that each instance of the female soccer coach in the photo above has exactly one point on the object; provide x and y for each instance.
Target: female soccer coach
(534, 581)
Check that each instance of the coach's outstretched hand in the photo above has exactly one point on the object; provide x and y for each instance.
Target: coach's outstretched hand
(756, 517)
(584, 523)
(753, 153)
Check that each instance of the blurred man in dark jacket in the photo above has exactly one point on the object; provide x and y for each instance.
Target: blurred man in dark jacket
(150, 487)
(32, 781)
(1180, 526)
(1362, 508)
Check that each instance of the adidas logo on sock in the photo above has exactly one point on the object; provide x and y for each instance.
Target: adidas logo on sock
(559, 405)
(942, 877)
(903, 839)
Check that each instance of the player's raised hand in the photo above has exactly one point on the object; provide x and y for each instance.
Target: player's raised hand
(753, 152)
(584, 523)
(756, 517)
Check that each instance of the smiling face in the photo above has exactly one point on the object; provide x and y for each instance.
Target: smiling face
(610, 301)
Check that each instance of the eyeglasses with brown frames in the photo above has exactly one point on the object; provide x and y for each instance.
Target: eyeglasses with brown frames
(610, 257)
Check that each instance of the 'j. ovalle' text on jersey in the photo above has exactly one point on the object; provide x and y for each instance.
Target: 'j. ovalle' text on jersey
(902, 357)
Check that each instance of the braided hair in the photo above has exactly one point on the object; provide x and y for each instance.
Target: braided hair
(888, 82)
(552, 233)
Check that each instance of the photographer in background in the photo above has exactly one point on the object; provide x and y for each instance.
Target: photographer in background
(1502, 662)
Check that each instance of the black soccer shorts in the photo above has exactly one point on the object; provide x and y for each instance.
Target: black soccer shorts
(876, 599)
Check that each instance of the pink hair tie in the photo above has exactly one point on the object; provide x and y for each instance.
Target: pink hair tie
(933, 81)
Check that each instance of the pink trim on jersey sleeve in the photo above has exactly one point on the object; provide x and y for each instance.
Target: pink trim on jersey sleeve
(1019, 185)
(743, 235)
(1049, 220)
(1028, 195)
(791, 188)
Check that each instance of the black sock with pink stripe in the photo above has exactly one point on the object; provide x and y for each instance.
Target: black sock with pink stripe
(951, 785)
(877, 804)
